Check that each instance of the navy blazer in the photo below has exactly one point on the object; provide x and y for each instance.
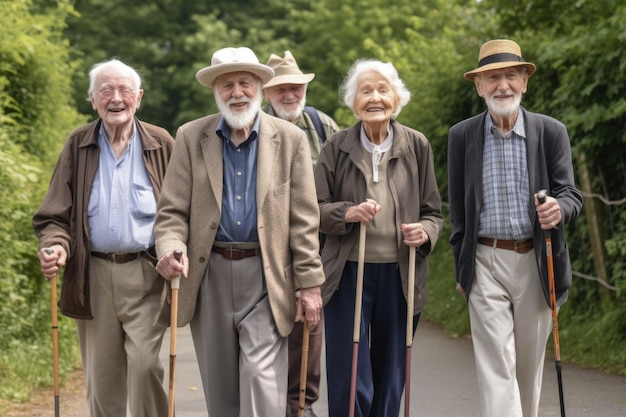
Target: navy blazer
(549, 167)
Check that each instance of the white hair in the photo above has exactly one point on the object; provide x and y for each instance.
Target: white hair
(348, 87)
(133, 75)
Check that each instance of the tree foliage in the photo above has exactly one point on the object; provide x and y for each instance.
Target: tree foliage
(35, 117)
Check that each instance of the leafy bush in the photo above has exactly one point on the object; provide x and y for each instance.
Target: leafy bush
(35, 117)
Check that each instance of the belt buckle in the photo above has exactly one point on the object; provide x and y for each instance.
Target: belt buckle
(517, 246)
(118, 257)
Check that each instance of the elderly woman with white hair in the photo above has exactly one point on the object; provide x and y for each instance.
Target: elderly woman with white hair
(378, 173)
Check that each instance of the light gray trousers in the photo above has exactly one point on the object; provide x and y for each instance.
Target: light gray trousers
(241, 356)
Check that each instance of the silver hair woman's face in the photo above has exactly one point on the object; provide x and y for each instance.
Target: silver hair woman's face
(375, 100)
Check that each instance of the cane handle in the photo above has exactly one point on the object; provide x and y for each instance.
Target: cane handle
(541, 196)
(175, 283)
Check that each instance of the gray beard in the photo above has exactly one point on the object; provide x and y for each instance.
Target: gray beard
(505, 110)
(240, 120)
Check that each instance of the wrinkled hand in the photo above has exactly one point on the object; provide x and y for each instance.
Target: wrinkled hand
(309, 306)
(548, 213)
(414, 234)
(460, 290)
(51, 263)
(170, 268)
(362, 213)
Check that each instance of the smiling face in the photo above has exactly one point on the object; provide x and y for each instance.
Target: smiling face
(502, 89)
(375, 100)
(115, 97)
(287, 100)
(238, 96)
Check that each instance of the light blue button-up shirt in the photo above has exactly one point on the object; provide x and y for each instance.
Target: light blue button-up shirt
(239, 214)
(122, 205)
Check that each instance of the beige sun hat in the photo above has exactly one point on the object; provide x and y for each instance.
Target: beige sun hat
(286, 71)
(499, 53)
(228, 60)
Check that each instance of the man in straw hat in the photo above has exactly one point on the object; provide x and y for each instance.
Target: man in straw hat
(286, 96)
(497, 161)
(240, 203)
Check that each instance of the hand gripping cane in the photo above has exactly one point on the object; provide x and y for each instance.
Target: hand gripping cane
(178, 254)
(55, 338)
(304, 364)
(409, 330)
(541, 197)
(357, 317)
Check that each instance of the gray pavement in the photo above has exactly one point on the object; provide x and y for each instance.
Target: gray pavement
(443, 381)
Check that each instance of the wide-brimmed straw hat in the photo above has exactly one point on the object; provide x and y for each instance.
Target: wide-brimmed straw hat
(499, 53)
(228, 60)
(286, 71)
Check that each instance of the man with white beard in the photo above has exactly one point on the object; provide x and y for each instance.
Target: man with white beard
(497, 162)
(240, 203)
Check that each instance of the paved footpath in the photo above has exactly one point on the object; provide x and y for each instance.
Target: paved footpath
(443, 382)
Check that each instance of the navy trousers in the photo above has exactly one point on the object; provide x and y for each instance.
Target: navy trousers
(382, 342)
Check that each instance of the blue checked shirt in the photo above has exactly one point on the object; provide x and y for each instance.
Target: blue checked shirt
(504, 213)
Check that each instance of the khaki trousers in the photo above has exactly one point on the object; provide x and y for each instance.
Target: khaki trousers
(120, 347)
(241, 356)
(510, 324)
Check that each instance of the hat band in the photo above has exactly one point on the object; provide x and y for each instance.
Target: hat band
(503, 57)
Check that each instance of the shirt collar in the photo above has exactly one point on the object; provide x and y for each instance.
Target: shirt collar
(518, 128)
(223, 130)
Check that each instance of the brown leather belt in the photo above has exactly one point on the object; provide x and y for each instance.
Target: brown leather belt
(236, 254)
(519, 246)
(122, 258)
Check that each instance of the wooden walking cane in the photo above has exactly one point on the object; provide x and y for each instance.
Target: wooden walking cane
(541, 197)
(304, 365)
(357, 318)
(178, 254)
(409, 330)
(55, 339)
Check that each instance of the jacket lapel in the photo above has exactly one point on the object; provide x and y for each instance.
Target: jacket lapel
(266, 159)
(212, 149)
(533, 156)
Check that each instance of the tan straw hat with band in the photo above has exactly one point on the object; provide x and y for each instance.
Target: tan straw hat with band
(497, 54)
(287, 71)
(228, 60)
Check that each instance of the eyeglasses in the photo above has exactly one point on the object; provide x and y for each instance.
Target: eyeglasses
(108, 93)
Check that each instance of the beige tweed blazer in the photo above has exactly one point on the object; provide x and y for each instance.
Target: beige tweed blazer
(189, 211)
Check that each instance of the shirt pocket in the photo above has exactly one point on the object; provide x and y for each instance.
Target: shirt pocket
(142, 202)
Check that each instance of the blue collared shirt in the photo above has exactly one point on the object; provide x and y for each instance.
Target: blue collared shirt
(239, 214)
(122, 206)
(504, 213)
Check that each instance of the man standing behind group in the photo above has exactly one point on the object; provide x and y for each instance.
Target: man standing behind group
(97, 218)
(497, 161)
(239, 200)
(286, 94)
